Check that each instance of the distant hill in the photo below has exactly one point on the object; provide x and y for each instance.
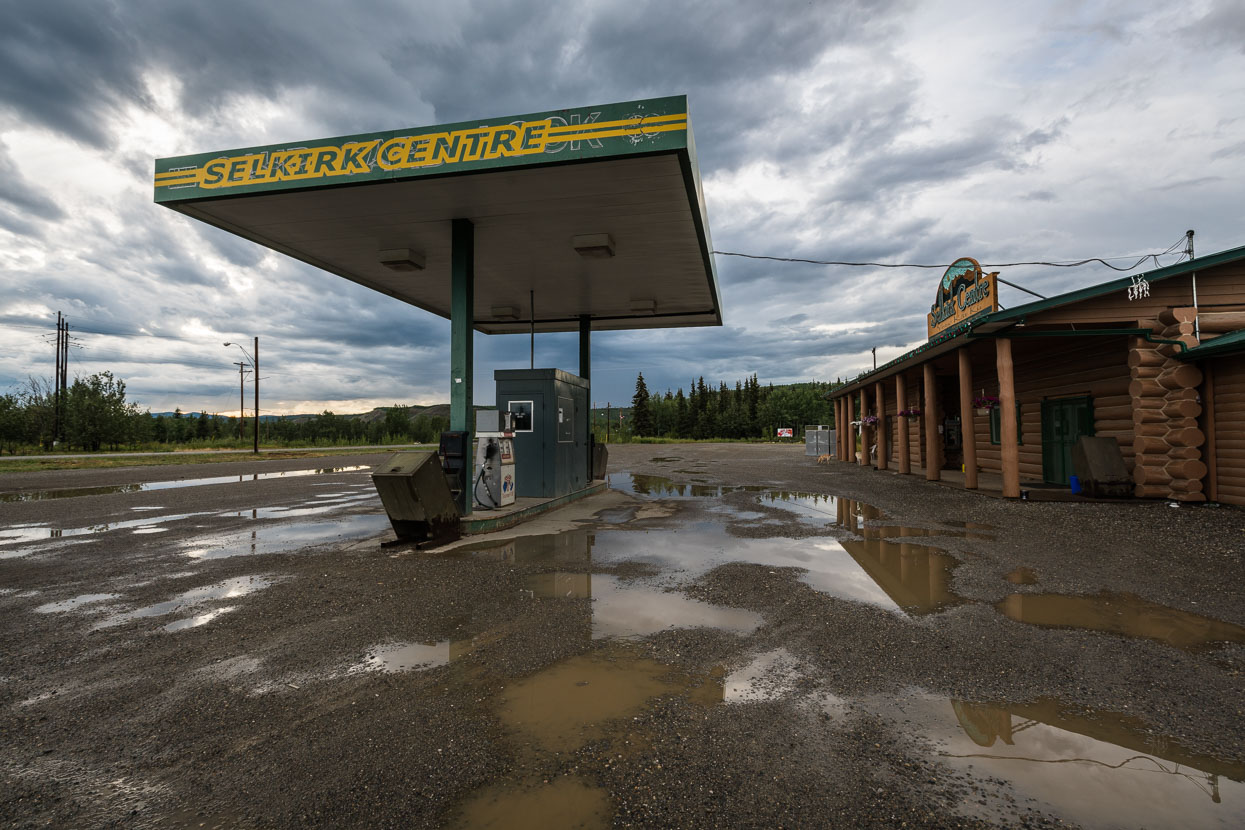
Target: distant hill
(436, 409)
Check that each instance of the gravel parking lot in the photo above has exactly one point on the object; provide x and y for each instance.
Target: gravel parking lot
(732, 636)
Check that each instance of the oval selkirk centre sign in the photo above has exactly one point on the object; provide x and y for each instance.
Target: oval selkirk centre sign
(964, 292)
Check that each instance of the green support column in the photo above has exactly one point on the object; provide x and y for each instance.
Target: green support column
(462, 365)
(585, 372)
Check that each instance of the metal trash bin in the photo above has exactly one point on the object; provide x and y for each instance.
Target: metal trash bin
(417, 498)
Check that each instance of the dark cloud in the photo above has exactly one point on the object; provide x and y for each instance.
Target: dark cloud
(1223, 25)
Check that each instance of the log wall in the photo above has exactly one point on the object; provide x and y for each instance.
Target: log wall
(1166, 407)
(1059, 368)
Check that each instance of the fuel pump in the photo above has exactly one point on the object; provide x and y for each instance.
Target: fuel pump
(495, 482)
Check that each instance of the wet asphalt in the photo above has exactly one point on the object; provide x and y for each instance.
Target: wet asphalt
(678, 652)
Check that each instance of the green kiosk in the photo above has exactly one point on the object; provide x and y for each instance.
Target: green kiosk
(581, 219)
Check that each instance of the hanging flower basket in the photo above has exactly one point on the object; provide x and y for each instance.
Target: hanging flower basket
(869, 420)
(910, 413)
(984, 403)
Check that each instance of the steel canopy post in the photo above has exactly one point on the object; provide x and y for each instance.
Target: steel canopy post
(462, 308)
(585, 372)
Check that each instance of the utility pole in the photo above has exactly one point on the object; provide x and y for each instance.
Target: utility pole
(256, 449)
(56, 396)
(607, 422)
(241, 397)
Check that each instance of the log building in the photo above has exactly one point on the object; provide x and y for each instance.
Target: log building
(1155, 361)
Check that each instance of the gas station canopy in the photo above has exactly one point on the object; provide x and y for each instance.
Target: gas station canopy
(597, 210)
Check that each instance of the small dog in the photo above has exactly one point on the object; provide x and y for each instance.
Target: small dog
(825, 459)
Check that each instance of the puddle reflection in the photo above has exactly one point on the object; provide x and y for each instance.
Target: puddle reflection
(25, 533)
(663, 487)
(228, 589)
(1098, 769)
(1123, 614)
(625, 611)
(285, 536)
(392, 658)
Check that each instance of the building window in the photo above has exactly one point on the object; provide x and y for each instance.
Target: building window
(996, 432)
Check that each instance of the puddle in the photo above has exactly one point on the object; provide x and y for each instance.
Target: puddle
(199, 619)
(1096, 769)
(665, 459)
(277, 538)
(630, 611)
(71, 604)
(1123, 614)
(1022, 576)
(897, 576)
(17, 534)
(662, 487)
(228, 589)
(24, 533)
(564, 802)
(808, 505)
(42, 495)
(399, 657)
(574, 701)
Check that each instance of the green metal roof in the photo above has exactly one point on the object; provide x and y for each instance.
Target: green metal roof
(1229, 343)
(1226, 344)
(1230, 255)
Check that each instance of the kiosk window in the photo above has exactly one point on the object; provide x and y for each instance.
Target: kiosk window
(522, 411)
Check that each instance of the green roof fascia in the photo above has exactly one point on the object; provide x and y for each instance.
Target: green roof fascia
(1123, 283)
(1229, 343)
(608, 131)
(690, 166)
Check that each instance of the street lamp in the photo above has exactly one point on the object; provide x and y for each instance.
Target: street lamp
(255, 366)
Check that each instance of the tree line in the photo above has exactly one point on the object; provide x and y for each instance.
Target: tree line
(749, 410)
(94, 415)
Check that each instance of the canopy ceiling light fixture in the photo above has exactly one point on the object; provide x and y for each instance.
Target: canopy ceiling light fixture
(401, 259)
(644, 306)
(593, 245)
(505, 312)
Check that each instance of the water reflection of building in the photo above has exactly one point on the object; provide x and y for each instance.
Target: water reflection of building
(1031, 732)
(1123, 614)
(916, 577)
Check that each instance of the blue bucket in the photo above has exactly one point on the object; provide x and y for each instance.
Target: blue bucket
(1075, 483)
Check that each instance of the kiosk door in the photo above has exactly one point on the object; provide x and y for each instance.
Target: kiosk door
(530, 434)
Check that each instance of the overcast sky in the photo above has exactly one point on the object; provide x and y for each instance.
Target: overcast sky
(871, 130)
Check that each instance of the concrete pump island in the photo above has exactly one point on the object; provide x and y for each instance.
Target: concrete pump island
(678, 635)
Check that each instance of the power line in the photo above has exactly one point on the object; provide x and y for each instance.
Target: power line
(1054, 264)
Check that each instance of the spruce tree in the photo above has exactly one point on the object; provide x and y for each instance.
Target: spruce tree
(641, 417)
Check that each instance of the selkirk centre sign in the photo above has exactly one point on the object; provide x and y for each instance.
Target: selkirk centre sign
(964, 292)
(633, 128)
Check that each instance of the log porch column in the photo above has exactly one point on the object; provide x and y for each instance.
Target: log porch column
(864, 440)
(967, 434)
(846, 440)
(932, 454)
(881, 427)
(838, 432)
(1010, 447)
(901, 424)
(838, 423)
